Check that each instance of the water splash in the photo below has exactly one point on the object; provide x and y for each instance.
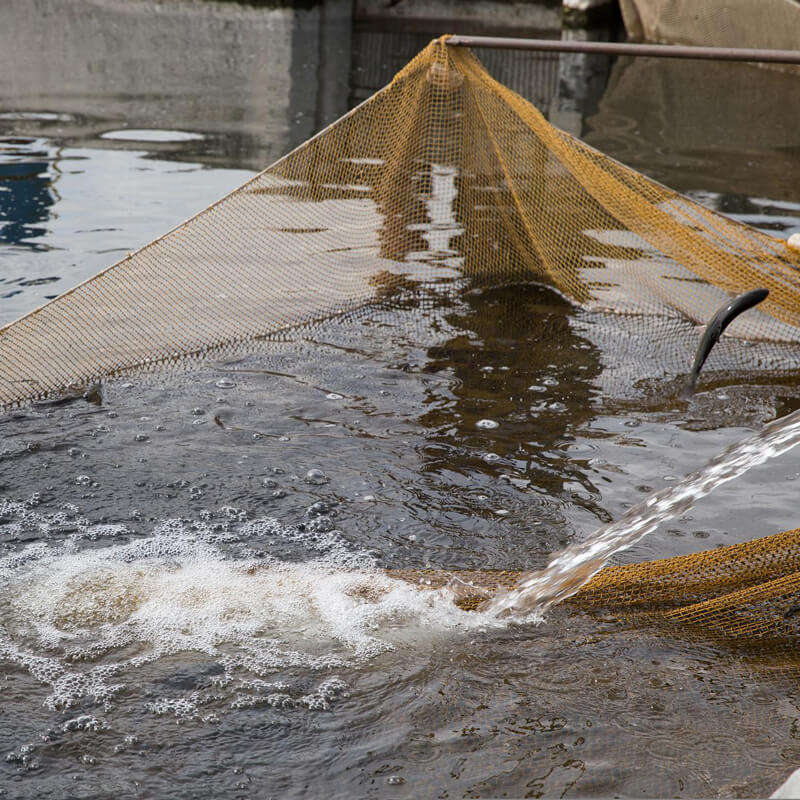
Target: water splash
(88, 613)
(574, 566)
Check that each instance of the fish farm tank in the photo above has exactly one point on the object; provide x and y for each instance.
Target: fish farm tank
(283, 493)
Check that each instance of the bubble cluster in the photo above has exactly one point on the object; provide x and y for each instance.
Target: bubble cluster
(279, 695)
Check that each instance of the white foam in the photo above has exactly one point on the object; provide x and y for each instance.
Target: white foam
(83, 618)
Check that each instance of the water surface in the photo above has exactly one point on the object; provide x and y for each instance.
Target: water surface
(193, 590)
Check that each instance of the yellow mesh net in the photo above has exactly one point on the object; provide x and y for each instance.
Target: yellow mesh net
(741, 592)
(344, 218)
(444, 175)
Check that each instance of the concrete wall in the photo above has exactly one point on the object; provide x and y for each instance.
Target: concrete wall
(526, 14)
(262, 78)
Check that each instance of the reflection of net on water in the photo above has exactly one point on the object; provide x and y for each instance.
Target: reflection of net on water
(444, 177)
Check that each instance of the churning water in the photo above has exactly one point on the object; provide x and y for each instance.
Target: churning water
(194, 587)
(83, 620)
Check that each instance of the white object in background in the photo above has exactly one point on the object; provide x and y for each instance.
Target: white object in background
(585, 5)
(794, 241)
(790, 790)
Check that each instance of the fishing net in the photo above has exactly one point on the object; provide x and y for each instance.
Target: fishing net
(445, 179)
(739, 593)
(443, 175)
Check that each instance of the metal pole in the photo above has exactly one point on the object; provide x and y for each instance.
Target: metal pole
(627, 49)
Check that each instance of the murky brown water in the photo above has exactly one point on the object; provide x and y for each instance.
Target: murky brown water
(186, 605)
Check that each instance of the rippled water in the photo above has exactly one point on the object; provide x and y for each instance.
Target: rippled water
(193, 590)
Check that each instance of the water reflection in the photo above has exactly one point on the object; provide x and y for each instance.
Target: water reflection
(720, 127)
(517, 362)
(259, 80)
(26, 194)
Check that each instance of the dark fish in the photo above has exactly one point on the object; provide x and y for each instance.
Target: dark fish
(90, 392)
(714, 330)
(791, 612)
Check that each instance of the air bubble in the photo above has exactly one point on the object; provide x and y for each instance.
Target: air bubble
(316, 476)
(225, 383)
(487, 423)
(85, 722)
(318, 509)
(334, 396)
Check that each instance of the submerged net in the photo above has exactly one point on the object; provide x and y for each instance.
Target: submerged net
(746, 592)
(740, 592)
(445, 178)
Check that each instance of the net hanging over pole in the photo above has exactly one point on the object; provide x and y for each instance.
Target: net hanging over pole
(337, 223)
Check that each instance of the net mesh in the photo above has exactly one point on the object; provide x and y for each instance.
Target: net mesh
(742, 592)
(443, 176)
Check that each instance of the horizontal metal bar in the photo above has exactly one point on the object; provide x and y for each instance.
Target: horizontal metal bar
(630, 49)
